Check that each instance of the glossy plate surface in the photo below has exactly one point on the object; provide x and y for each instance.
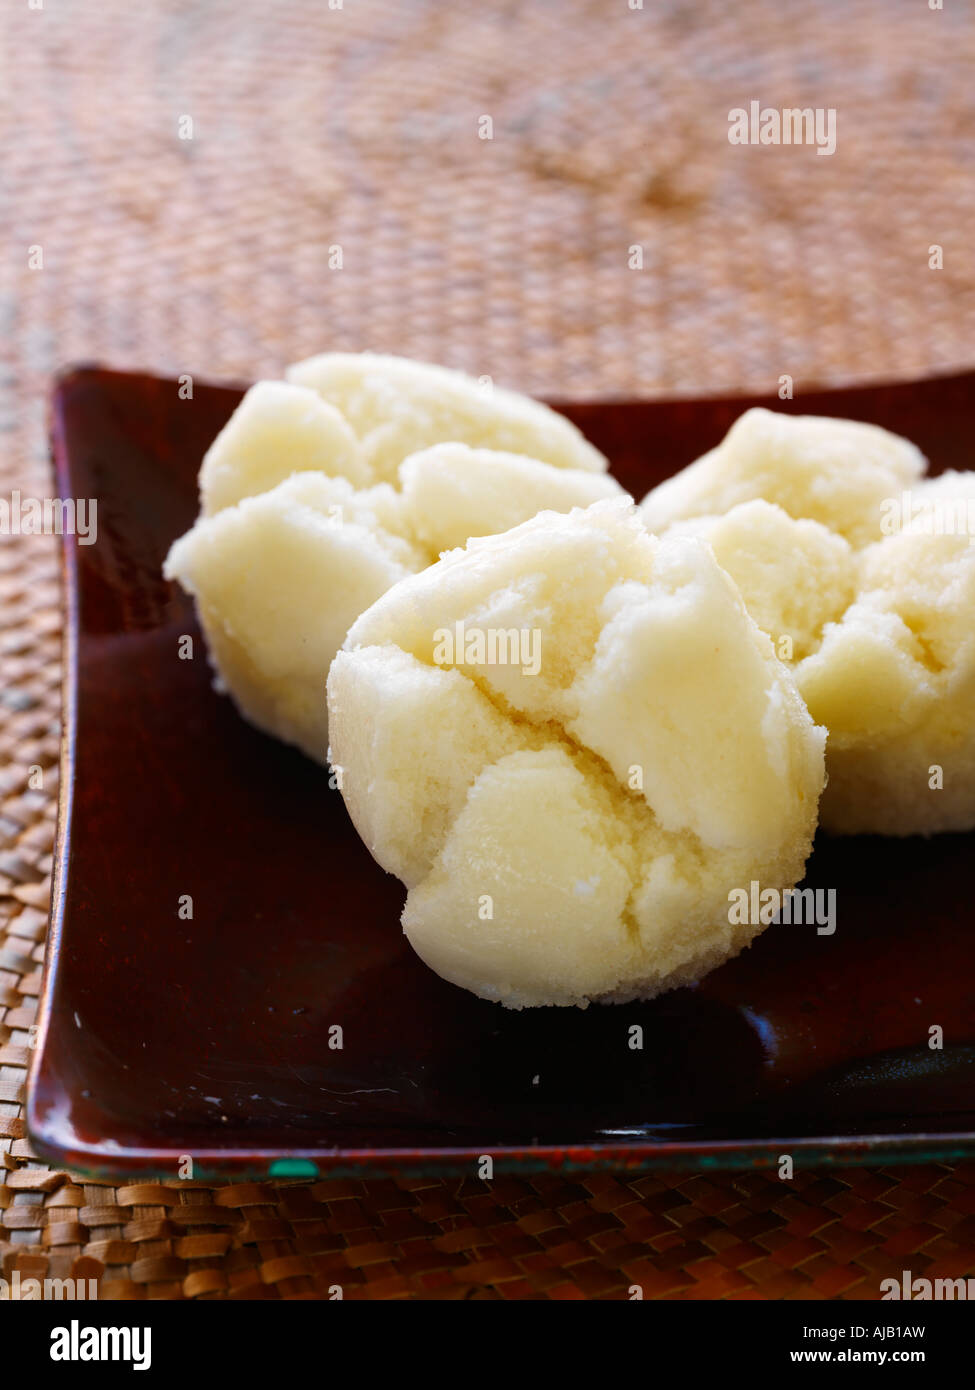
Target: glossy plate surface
(162, 1037)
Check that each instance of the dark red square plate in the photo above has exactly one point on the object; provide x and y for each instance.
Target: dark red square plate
(162, 1038)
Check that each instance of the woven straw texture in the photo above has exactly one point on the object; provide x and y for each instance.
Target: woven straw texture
(358, 127)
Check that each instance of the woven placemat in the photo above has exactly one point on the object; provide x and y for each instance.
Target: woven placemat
(316, 129)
